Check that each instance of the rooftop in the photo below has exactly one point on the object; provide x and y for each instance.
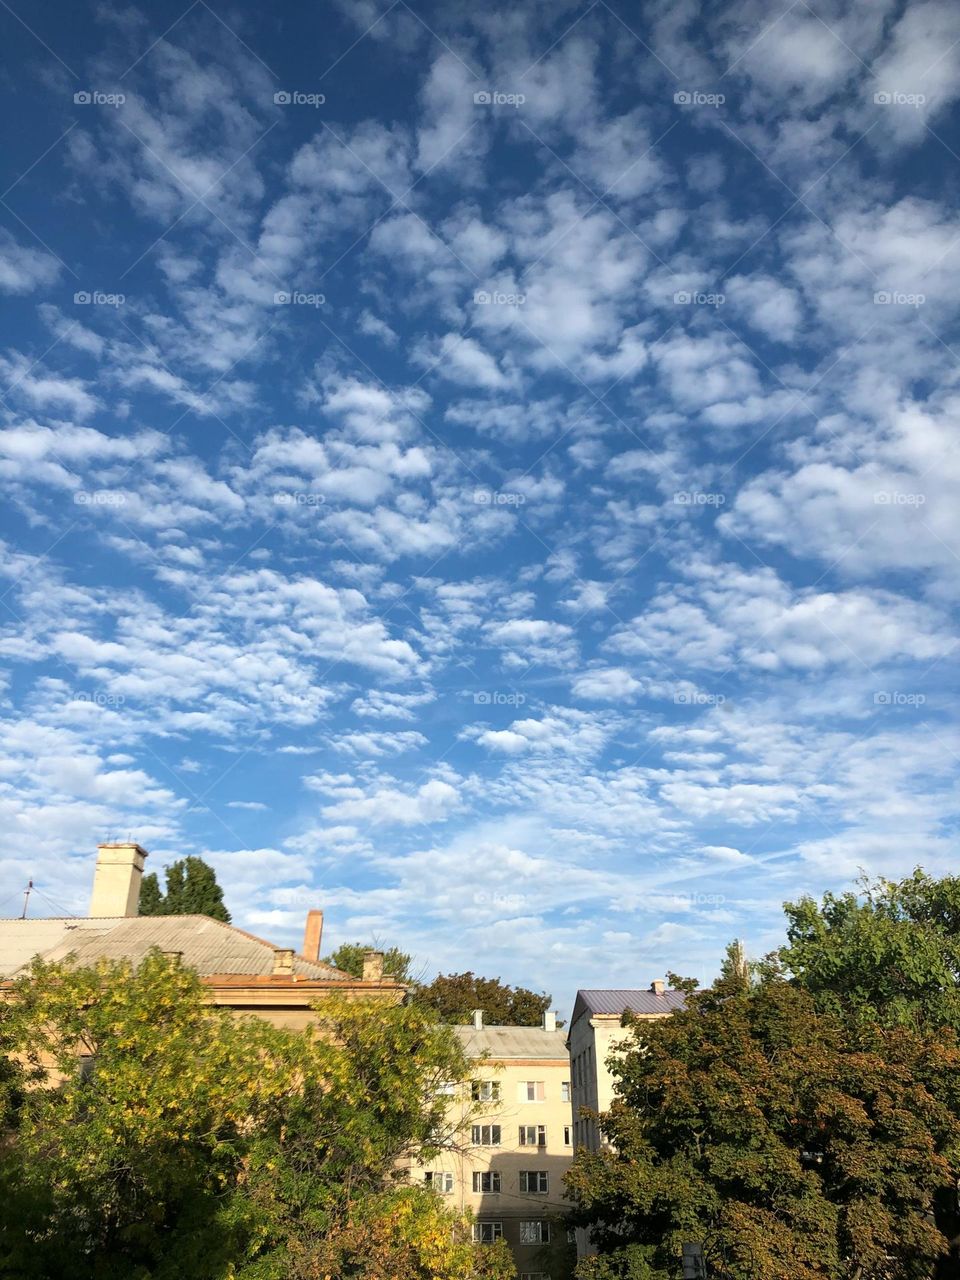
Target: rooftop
(212, 948)
(614, 1003)
(500, 1043)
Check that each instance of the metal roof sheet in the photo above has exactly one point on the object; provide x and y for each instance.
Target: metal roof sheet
(618, 1001)
(209, 946)
(512, 1042)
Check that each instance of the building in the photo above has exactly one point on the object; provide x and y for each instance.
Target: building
(240, 970)
(596, 1028)
(516, 1143)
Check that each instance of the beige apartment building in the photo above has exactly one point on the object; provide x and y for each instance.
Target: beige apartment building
(509, 1162)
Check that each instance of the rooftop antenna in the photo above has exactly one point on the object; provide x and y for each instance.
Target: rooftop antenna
(26, 899)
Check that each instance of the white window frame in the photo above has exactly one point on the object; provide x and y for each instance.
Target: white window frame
(493, 1189)
(568, 1135)
(440, 1180)
(486, 1135)
(532, 1091)
(535, 1232)
(535, 1182)
(540, 1135)
(485, 1090)
(496, 1231)
(565, 1091)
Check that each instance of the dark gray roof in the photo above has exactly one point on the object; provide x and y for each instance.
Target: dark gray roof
(617, 1002)
(207, 945)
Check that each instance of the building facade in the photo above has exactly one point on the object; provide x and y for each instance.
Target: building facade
(516, 1142)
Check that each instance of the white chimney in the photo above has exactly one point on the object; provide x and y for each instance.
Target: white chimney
(657, 987)
(478, 1019)
(116, 881)
(549, 1020)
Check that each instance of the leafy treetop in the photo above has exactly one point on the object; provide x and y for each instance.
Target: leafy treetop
(192, 889)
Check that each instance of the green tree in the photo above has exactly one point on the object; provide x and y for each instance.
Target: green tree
(349, 957)
(454, 996)
(889, 954)
(192, 889)
(162, 1137)
(792, 1146)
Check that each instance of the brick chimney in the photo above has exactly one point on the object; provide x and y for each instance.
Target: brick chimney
(657, 987)
(312, 933)
(549, 1020)
(116, 881)
(373, 966)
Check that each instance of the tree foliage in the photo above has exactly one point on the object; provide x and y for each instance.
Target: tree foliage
(162, 1137)
(349, 957)
(890, 954)
(792, 1146)
(191, 889)
(454, 996)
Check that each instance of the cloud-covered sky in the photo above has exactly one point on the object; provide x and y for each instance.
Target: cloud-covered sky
(489, 471)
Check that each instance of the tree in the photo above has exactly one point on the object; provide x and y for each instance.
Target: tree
(163, 1137)
(349, 957)
(889, 954)
(792, 1146)
(454, 996)
(192, 890)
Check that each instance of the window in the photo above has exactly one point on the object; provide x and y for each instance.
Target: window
(486, 1182)
(534, 1232)
(446, 1089)
(533, 1135)
(534, 1181)
(487, 1232)
(530, 1091)
(442, 1182)
(567, 1136)
(485, 1090)
(485, 1135)
(565, 1091)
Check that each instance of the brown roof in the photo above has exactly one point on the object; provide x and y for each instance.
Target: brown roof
(209, 946)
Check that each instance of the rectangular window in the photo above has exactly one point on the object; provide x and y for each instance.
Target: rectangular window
(565, 1091)
(487, 1232)
(534, 1232)
(446, 1088)
(534, 1181)
(530, 1091)
(533, 1135)
(442, 1182)
(567, 1136)
(485, 1090)
(486, 1182)
(485, 1135)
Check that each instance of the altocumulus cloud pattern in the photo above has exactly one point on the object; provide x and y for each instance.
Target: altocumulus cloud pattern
(488, 470)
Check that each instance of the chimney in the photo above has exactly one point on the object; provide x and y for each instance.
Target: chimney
(657, 987)
(282, 962)
(116, 881)
(478, 1019)
(549, 1020)
(312, 933)
(373, 966)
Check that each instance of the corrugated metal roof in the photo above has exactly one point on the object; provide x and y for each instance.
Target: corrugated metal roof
(512, 1042)
(208, 946)
(617, 1002)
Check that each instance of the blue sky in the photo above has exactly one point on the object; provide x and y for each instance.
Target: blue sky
(487, 471)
